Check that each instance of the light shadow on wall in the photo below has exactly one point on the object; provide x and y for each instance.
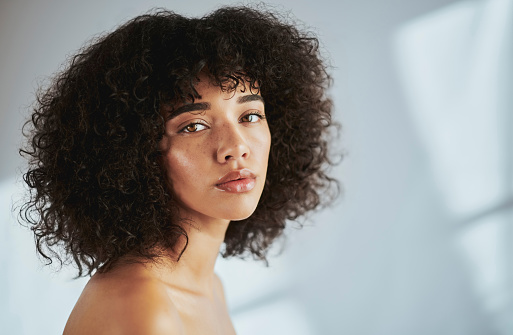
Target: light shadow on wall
(453, 64)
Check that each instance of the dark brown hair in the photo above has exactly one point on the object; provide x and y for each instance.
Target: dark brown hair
(97, 190)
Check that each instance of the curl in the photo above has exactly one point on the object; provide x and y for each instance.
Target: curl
(98, 191)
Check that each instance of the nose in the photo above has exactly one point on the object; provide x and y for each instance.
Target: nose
(232, 145)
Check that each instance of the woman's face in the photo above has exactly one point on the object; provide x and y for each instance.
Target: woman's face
(215, 152)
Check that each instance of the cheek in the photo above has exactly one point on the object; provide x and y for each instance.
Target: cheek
(263, 146)
(183, 164)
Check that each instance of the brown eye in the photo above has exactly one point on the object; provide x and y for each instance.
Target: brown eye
(252, 117)
(193, 127)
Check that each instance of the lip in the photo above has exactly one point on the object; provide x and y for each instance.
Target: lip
(237, 181)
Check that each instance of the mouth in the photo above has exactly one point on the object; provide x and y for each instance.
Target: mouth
(237, 181)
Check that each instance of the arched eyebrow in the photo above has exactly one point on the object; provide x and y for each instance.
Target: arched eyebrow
(203, 106)
(187, 108)
(250, 97)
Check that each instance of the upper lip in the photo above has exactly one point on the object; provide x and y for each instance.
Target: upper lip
(235, 175)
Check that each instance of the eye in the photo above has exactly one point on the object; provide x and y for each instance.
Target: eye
(252, 117)
(193, 127)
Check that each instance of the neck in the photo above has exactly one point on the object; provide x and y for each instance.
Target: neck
(195, 270)
(203, 246)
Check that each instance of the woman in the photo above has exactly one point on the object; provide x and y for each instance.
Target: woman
(161, 143)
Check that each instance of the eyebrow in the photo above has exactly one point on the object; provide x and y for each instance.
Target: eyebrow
(187, 108)
(250, 97)
(202, 106)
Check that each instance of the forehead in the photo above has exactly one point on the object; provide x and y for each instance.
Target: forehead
(229, 87)
(210, 93)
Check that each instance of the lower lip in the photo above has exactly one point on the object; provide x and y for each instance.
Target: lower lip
(238, 186)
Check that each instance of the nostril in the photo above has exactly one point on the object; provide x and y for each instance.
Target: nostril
(232, 152)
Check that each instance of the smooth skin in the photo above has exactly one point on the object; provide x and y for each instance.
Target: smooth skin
(221, 132)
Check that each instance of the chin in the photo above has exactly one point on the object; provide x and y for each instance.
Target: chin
(240, 213)
(241, 217)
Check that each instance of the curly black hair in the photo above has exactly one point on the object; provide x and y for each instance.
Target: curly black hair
(97, 189)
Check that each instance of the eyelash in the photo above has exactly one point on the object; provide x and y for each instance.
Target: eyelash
(258, 114)
(183, 130)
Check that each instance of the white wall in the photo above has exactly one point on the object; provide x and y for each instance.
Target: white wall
(420, 243)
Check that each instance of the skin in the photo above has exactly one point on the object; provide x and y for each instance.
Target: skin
(186, 297)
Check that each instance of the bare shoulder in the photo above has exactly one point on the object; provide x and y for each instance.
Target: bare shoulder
(119, 305)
